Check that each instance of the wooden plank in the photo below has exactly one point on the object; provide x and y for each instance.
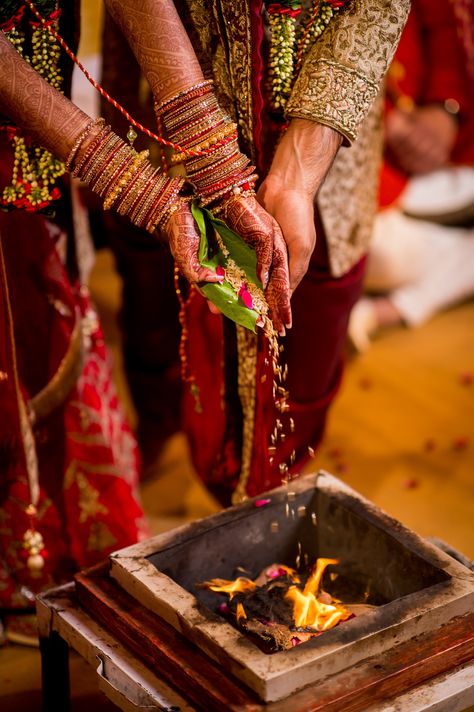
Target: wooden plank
(170, 655)
(388, 676)
(160, 647)
(452, 691)
(118, 668)
(411, 407)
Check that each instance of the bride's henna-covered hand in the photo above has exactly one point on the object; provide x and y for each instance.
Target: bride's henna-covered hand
(278, 291)
(262, 232)
(180, 231)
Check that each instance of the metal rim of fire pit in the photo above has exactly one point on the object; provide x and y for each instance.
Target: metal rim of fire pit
(277, 676)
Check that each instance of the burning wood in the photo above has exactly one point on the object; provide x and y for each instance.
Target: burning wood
(278, 609)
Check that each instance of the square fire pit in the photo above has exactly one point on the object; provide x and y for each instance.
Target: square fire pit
(414, 587)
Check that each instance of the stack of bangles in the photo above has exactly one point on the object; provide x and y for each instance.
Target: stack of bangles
(194, 120)
(125, 179)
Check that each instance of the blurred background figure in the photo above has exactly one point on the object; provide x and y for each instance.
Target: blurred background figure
(150, 331)
(422, 254)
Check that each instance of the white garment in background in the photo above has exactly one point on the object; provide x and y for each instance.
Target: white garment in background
(423, 265)
(446, 191)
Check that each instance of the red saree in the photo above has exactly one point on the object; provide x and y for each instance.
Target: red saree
(52, 356)
(61, 426)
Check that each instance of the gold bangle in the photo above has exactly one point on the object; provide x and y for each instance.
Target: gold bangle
(145, 180)
(94, 163)
(81, 168)
(186, 92)
(132, 191)
(79, 140)
(145, 201)
(162, 222)
(101, 183)
(125, 177)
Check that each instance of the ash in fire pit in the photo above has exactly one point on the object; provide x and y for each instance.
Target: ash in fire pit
(281, 608)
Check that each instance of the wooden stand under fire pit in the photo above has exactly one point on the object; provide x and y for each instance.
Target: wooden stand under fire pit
(165, 671)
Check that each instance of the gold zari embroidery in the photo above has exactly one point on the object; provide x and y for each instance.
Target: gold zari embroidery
(332, 95)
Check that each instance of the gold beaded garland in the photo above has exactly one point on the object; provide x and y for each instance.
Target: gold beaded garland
(291, 41)
(35, 170)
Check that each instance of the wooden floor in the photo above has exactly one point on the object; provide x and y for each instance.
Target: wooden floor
(402, 430)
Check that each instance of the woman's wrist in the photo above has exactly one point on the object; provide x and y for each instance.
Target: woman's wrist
(123, 178)
(215, 165)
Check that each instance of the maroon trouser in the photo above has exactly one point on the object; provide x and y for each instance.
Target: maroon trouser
(314, 351)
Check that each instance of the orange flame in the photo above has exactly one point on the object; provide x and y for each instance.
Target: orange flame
(240, 585)
(240, 612)
(314, 580)
(308, 612)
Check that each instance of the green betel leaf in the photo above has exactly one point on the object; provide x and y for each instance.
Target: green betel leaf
(199, 217)
(242, 254)
(227, 301)
(222, 295)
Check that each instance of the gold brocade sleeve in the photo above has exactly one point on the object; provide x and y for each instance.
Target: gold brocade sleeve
(342, 72)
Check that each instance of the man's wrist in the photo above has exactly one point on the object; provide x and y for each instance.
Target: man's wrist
(304, 155)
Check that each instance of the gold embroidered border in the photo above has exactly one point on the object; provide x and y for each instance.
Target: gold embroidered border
(58, 388)
(332, 94)
(237, 26)
(247, 377)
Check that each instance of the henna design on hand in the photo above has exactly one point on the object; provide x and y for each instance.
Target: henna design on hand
(259, 230)
(183, 239)
(278, 292)
(159, 42)
(255, 226)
